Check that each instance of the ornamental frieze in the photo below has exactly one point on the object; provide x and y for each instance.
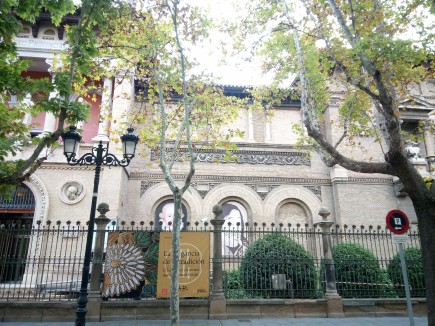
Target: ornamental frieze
(203, 189)
(239, 157)
(145, 185)
(261, 189)
(317, 190)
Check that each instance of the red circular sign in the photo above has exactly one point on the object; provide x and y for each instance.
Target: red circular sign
(397, 222)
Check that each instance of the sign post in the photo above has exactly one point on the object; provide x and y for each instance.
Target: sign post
(398, 223)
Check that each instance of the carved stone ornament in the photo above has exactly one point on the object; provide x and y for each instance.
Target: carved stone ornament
(72, 192)
(241, 157)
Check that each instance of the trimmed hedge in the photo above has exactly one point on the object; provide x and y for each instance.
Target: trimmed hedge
(277, 254)
(232, 285)
(414, 263)
(358, 273)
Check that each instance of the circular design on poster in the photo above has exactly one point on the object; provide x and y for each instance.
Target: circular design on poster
(184, 272)
(125, 267)
(397, 221)
(72, 192)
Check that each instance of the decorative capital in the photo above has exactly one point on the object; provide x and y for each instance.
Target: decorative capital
(217, 223)
(324, 212)
(103, 208)
(217, 210)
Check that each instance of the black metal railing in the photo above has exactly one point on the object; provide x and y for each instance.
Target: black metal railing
(44, 262)
(21, 199)
(41, 262)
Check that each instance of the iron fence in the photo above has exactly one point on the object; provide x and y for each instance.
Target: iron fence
(44, 262)
(368, 265)
(271, 261)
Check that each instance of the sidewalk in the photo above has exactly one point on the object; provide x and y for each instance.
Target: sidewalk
(358, 321)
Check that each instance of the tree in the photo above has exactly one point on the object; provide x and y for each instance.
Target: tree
(364, 48)
(70, 78)
(174, 109)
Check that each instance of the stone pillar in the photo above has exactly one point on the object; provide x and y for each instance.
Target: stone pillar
(218, 304)
(334, 303)
(267, 130)
(94, 297)
(50, 119)
(27, 101)
(106, 108)
(250, 126)
(429, 145)
(123, 98)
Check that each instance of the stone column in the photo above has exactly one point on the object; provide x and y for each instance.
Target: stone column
(428, 142)
(50, 119)
(267, 130)
(94, 297)
(27, 101)
(218, 305)
(334, 303)
(106, 108)
(250, 126)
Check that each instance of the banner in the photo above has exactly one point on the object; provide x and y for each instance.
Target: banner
(194, 280)
(130, 269)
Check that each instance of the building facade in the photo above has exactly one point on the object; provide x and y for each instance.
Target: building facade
(271, 181)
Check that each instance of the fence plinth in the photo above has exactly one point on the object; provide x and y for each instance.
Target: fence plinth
(334, 303)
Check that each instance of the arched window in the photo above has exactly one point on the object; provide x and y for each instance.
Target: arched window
(49, 34)
(164, 216)
(292, 212)
(234, 239)
(24, 33)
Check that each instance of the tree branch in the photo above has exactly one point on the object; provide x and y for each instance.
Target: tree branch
(314, 131)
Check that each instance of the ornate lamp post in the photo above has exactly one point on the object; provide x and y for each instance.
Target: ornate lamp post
(99, 156)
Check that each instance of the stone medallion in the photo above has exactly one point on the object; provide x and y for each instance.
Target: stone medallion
(72, 192)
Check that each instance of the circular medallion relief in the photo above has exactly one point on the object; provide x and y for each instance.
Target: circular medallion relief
(72, 192)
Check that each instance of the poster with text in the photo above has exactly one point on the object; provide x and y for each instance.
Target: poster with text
(194, 278)
(130, 269)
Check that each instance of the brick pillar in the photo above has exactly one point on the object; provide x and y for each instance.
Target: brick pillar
(218, 305)
(334, 304)
(94, 297)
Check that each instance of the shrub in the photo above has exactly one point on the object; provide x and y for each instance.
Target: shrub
(277, 254)
(358, 273)
(233, 287)
(414, 263)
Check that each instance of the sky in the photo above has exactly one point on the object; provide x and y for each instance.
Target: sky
(234, 71)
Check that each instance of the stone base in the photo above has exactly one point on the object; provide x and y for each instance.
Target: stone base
(93, 306)
(218, 309)
(334, 306)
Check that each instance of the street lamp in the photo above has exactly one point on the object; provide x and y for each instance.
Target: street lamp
(71, 140)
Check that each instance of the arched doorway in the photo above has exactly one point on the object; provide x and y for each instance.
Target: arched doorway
(16, 220)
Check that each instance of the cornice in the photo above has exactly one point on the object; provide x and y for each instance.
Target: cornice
(370, 180)
(240, 179)
(230, 178)
(64, 166)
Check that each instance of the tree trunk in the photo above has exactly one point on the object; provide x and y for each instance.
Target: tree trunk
(424, 206)
(426, 225)
(175, 266)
